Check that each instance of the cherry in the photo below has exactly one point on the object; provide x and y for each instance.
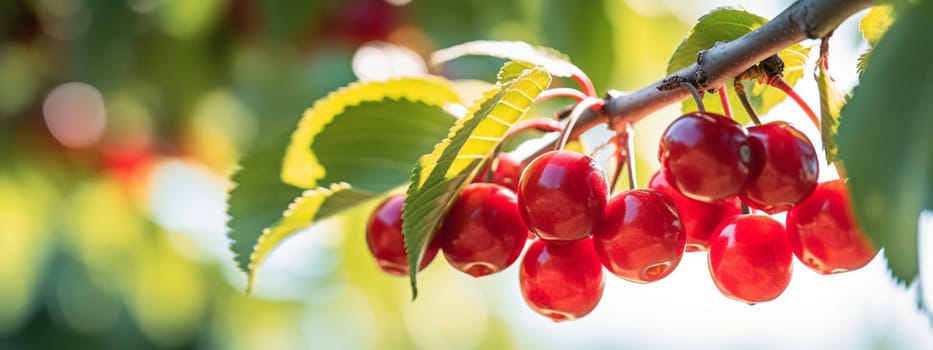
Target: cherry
(364, 20)
(483, 232)
(641, 237)
(750, 258)
(561, 280)
(705, 156)
(786, 170)
(824, 233)
(562, 195)
(699, 219)
(384, 238)
(507, 172)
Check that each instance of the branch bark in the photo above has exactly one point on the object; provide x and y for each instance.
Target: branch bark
(805, 19)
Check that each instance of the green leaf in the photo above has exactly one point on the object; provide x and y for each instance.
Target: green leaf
(554, 62)
(884, 139)
(511, 70)
(439, 177)
(876, 23)
(724, 25)
(311, 206)
(258, 199)
(368, 134)
(831, 102)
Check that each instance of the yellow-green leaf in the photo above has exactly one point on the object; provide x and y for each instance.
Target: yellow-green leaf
(831, 102)
(439, 177)
(876, 23)
(511, 70)
(311, 206)
(301, 166)
(873, 26)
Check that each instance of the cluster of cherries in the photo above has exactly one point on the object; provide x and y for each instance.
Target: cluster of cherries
(711, 165)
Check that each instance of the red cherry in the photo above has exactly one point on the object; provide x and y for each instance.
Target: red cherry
(786, 169)
(699, 219)
(483, 232)
(641, 237)
(507, 172)
(750, 258)
(824, 233)
(384, 238)
(562, 195)
(561, 280)
(705, 156)
(365, 20)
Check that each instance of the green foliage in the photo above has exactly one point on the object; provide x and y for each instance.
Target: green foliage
(365, 135)
(724, 25)
(884, 139)
(438, 178)
(584, 26)
(831, 102)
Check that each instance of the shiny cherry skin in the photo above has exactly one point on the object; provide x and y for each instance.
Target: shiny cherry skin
(507, 172)
(384, 238)
(561, 280)
(641, 238)
(824, 233)
(562, 195)
(483, 232)
(750, 258)
(706, 156)
(786, 171)
(699, 219)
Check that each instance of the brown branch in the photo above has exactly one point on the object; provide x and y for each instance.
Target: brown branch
(805, 19)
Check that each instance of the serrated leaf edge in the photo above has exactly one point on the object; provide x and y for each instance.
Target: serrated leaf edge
(300, 165)
(421, 173)
(269, 239)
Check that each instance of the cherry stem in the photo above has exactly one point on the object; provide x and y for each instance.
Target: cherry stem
(587, 103)
(620, 162)
(585, 83)
(560, 92)
(696, 95)
(740, 92)
(540, 124)
(724, 99)
(824, 50)
(620, 154)
(630, 156)
(779, 83)
(491, 164)
(840, 169)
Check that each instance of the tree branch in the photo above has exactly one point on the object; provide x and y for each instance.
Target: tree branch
(805, 19)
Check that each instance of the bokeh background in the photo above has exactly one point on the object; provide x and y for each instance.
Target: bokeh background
(121, 121)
